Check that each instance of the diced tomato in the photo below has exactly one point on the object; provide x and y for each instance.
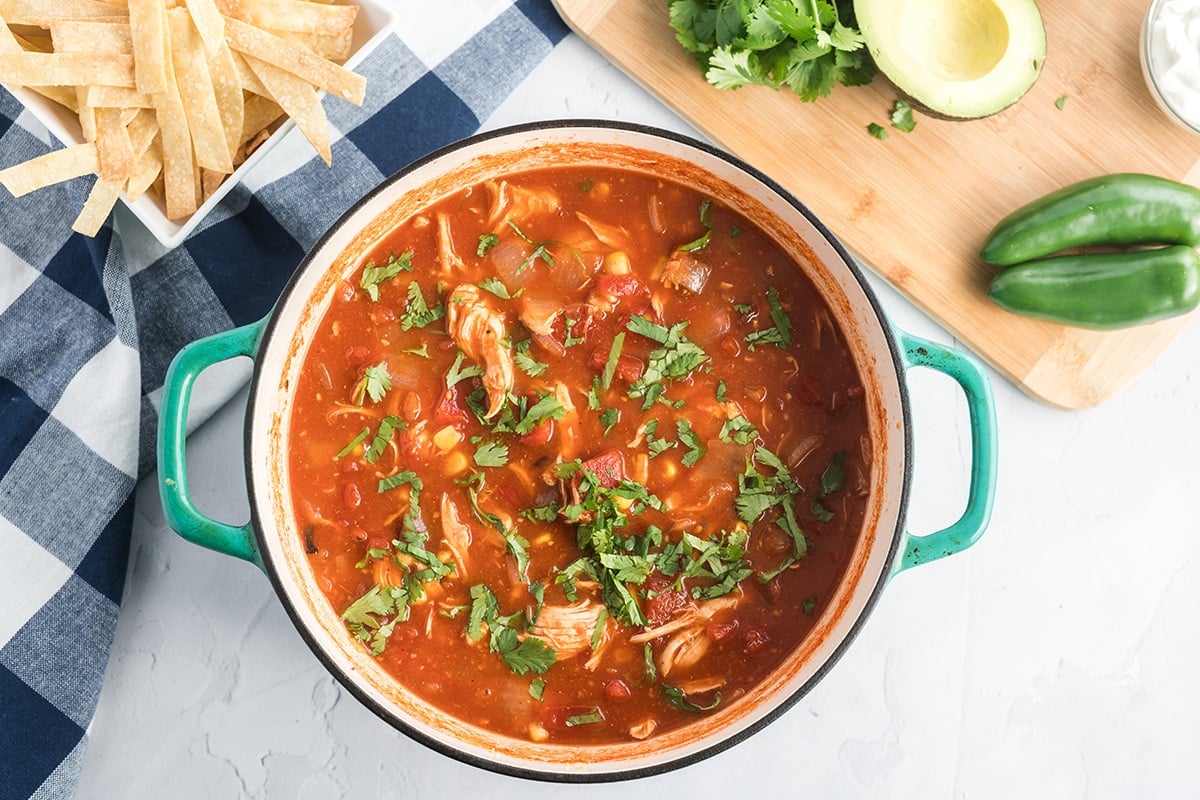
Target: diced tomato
(449, 410)
(358, 355)
(806, 392)
(618, 690)
(608, 467)
(622, 286)
(665, 602)
(540, 435)
(628, 369)
(756, 640)
(722, 630)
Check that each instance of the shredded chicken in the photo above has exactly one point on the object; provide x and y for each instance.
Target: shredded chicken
(689, 616)
(515, 202)
(568, 629)
(456, 534)
(450, 261)
(479, 332)
(614, 236)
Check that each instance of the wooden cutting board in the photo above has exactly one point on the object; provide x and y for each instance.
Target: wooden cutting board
(917, 206)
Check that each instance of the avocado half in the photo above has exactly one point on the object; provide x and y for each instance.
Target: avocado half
(958, 59)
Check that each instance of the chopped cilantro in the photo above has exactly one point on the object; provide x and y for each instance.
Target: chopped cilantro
(781, 333)
(374, 383)
(590, 718)
(759, 493)
(679, 700)
(689, 439)
(491, 454)
(878, 131)
(537, 688)
(804, 46)
(586, 185)
(1060, 102)
(656, 446)
(571, 339)
(353, 443)
(735, 231)
(372, 275)
(384, 435)
(527, 363)
(496, 286)
(833, 479)
(546, 513)
(363, 616)
(702, 241)
(422, 351)
(745, 309)
(518, 546)
(417, 313)
(547, 407)
(902, 117)
(722, 392)
(674, 360)
(739, 430)
(614, 356)
(609, 417)
(486, 242)
(458, 373)
(598, 630)
(539, 250)
(406, 477)
(522, 656)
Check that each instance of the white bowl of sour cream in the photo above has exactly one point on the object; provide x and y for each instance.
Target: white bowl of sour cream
(1170, 55)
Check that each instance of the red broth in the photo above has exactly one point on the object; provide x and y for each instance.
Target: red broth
(579, 455)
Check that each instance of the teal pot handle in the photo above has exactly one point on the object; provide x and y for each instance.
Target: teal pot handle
(181, 513)
(981, 407)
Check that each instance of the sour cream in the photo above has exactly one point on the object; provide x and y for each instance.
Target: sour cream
(1172, 42)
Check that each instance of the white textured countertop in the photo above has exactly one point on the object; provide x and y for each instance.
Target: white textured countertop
(1056, 658)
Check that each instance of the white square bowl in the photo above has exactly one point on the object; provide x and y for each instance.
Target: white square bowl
(375, 21)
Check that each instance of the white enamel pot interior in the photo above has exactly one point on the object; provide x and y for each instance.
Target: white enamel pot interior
(340, 254)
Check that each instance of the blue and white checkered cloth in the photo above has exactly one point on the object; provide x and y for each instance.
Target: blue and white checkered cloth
(88, 327)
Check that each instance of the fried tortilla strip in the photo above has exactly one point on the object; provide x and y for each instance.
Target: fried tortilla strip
(261, 112)
(299, 100)
(113, 145)
(88, 36)
(53, 167)
(296, 59)
(39, 12)
(148, 29)
(179, 172)
(335, 48)
(99, 204)
(116, 97)
(231, 100)
(295, 16)
(196, 90)
(65, 69)
(146, 171)
(249, 80)
(209, 23)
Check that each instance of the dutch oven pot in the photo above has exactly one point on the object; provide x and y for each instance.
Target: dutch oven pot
(278, 344)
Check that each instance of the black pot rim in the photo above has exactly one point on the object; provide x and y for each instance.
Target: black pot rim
(348, 681)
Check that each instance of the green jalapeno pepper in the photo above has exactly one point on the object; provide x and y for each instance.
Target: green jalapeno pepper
(1103, 290)
(1116, 209)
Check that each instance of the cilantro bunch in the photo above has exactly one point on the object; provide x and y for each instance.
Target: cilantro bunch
(806, 45)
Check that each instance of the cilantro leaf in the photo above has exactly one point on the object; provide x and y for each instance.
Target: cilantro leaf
(491, 454)
(610, 364)
(679, 700)
(902, 117)
(496, 286)
(458, 373)
(372, 275)
(689, 439)
(384, 435)
(417, 313)
(353, 443)
(486, 242)
(374, 383)
(878, 131)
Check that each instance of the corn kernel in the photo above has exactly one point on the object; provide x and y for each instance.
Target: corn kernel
(446, 438)
(537, 733)
(456, 463)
